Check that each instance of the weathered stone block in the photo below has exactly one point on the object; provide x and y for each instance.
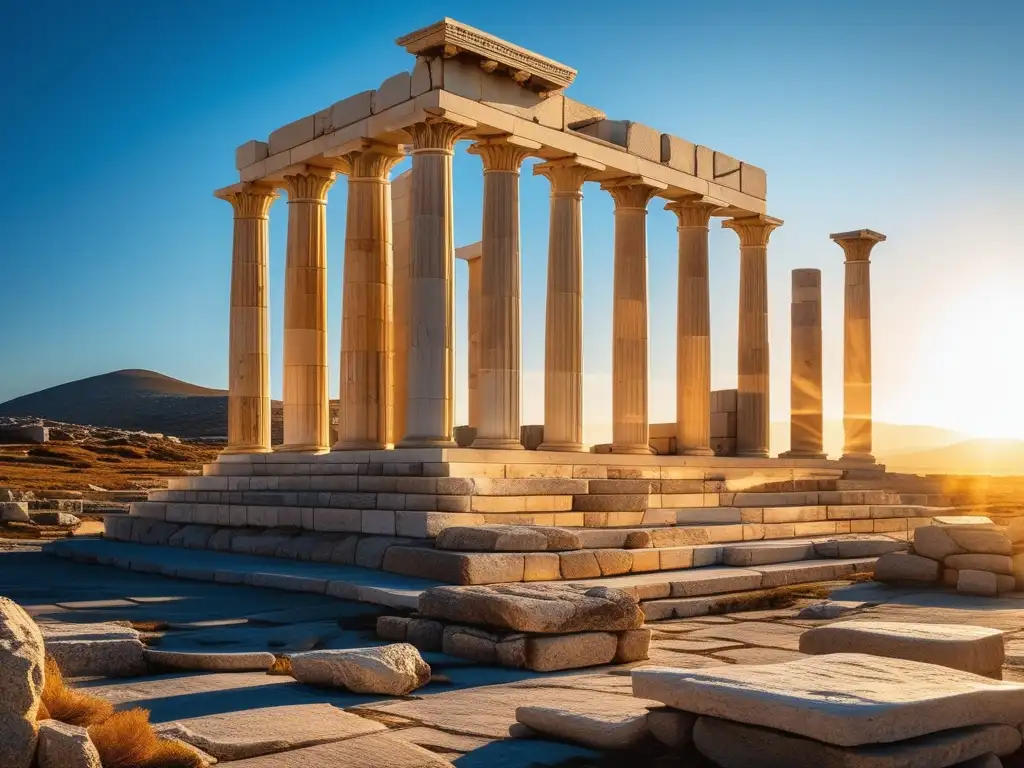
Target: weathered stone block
(990, 563)
(901, 566)
(570, 651)
(972, 582)
(455, 567)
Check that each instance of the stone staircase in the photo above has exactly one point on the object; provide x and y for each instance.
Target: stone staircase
(672, 528)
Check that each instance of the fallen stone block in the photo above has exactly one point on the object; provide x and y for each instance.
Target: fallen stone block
(842, 699)
(980, 542)
(732, 744)
(551, 653)
(14, 512)
(958, 646)
(934, 541)
(965, 522)
(901, 567)
(393, 628)
(470, 643)
(65, 746)
(596, 725)
(60, 519)
(972, 582)
(990, 563)
(633, 645)
(547, 608)
(395, 670)
(455, 567)
(254, 732)
(425, 634)
(122, 657)
(211, 662)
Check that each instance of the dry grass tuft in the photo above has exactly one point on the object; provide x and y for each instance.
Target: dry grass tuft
(127, 740)
(67, 705)
(282, 666)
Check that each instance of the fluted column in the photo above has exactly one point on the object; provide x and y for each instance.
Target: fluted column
(307, 425)
(805, 420)
(430, 397)
(401, 226)
(752, 403)
(500, 370)
(249, 337)
(365, 409)
(857, 246)
(563, 334)
(471, 254)
(693, 329)
(630, 427)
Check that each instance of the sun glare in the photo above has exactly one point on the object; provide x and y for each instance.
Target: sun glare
(979, 366)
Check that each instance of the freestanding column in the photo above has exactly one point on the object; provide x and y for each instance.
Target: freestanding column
(401, 226)
(500, 327)
(752, 399)
(805, 420)
(630, 428)
(857, 342)
(563, 335)
(306, 399)
(471, 255)
(248, 346)
(693, 329)
(365, 409)
(429, 417)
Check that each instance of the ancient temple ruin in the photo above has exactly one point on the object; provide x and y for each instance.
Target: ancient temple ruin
(395, 478)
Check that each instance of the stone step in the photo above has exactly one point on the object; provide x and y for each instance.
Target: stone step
(699, 515)
(664, 595)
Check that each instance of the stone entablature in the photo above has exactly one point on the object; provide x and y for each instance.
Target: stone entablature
(450, 38)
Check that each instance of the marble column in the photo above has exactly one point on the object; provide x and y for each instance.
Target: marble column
(471, 254)
(630, 426)
(249, 337)
(805, 420)
(500, 372)
(307, 415)
(430, 396)
(752, 404)
(857, 246)
(563, 334)
(365, 409)
(401, 232)
(693, 329)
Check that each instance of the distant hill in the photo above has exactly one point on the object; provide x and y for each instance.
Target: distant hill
(886, 438)
(130, 399)
(969, 457)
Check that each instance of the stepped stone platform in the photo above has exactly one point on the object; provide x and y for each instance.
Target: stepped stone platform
(673, 530)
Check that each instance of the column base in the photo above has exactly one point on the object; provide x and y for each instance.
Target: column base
(359, 445)
(755, 453)
(426, 442)
(865, 458)
(497, 443)
(803, 455)
(700, 451)
(634, 449)
(301, 448)
(234, 450)
(565, 447)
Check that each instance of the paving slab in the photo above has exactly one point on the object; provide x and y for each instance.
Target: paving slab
(616, 723)
(841, 699)
(959, 646)
(763, 634)
(759, 655)
(254, 732)
(734, 745)
(370, 751)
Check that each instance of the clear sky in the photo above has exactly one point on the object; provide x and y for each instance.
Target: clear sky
(120, 117)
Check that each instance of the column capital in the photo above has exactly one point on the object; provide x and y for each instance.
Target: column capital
(309, 186)
(753, 230)
(435, 135)
(503, 153)
(858, 244)
(692, 211)
(632, 192)
(373, 161)
(567, 174)
(249, 200)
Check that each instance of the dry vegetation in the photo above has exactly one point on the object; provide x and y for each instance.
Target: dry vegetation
(122, 739)
(112, 464)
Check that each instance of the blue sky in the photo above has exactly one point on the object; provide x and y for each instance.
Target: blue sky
(120, 118)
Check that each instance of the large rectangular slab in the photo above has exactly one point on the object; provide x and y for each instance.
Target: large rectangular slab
(842, 699)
